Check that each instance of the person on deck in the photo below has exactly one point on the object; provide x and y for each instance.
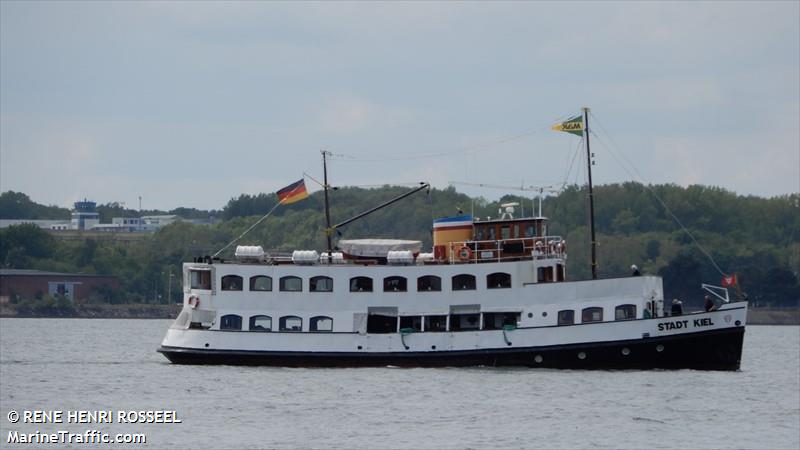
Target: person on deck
(635, 271)
(710, 305)
(677, 307)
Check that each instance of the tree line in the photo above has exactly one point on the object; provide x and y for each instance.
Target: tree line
(757, 238)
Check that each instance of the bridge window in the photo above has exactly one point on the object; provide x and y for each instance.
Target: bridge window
(530, 230)
(200, 279)
(625, 312)
(230, 322)
(360, 284)
(429, 283)
(464, 282)
(498, 280)
(395, 284)
(260, 323)
(291, 323)
(505, 232)
(594, 314)
(566, 317)
(260, 283)
(291, 284)
(321, 324)
(321, 284)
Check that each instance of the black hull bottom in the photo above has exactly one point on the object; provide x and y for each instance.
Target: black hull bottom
(711, 350)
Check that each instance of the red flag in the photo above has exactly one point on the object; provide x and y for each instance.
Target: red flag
(729, 280)
(293, 193)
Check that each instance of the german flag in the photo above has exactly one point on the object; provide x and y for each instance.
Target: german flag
(292, 193)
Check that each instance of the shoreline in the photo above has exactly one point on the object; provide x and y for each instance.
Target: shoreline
(755, 316)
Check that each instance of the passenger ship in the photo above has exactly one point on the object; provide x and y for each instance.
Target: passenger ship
(491, 293)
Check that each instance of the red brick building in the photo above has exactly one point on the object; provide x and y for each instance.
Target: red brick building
(29, 284)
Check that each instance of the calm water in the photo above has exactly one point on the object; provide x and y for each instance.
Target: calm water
(93, 364)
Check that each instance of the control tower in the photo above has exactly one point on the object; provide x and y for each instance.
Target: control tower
(84, 216)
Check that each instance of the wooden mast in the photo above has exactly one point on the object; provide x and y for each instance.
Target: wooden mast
(328, 229)
(591, 193)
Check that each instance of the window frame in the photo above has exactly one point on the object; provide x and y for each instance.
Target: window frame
(403, 283)
(282, 324)
(361, 278)
(630, 307)
(561, 320)
(590, 310)
(282, 283)
(224, 325)
(202, 275)
(313, 325)
(313, 280)
(255, 278)
(225, 282)
(464, 276)
(252, 320)
(437, 283)
(503, 277)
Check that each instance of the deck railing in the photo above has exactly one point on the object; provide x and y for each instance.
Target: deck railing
(496, 250)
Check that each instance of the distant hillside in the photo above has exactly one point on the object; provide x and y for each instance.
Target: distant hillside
(758, 238)
(16, 205)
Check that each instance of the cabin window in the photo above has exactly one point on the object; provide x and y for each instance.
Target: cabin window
(321, 284)
(496, 321)
(260, 283)
(291, 284)
(594, 314)
(465, 317)
(505, 232)
(321, 324)
(230, 322)
(361, 284)
(625, 312)
(530, 230)
(200, 279)
(260, 323)
(435, 323)
(490, 234)
(464, 282)
(545, 274)
(395, 284)
(561, 273)
(231, 283)
(566, 317)
(412, 322)
(464, 322)
(480, 233)
(291, 323)
(498, 280)
(381, 319)
(429, 283)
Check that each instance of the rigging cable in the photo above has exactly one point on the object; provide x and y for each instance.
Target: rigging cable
(639, 178)
(248, 230)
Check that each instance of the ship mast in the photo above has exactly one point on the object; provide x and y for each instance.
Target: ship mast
(328, 229)
(591, 194)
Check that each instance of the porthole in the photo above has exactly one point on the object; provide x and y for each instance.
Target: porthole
(544, 313)
(530, 315)
(359, 347)
(206, 344)
(538, 358)
(738, 323)
(581, 355)
(626, 351)
(659, 348)
(433, 347)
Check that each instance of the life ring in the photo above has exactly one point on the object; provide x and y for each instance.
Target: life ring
(194, 302)
(464, 253)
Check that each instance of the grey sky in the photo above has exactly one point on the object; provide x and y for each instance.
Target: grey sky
(190, 104)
